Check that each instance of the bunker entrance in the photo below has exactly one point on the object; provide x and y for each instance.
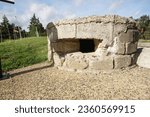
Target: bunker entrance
(87, 45)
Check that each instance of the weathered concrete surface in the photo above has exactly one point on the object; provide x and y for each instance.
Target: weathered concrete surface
(129, 36)
(118, 47)
(144, 58)
(113, 38)
(66, 46)
(66, 31)
(76, 61)
(122, 61)
(131, 48)
(97, 27)
(103, 64)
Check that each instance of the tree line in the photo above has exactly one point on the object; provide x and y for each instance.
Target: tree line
(12, 31)
(144, 26)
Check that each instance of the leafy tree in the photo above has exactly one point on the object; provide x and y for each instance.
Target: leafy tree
(35, 28)
(143, 24)
(10, 31)
(144, 21)
(5, 28)
(1, 36)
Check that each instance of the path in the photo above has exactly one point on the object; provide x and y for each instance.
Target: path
(43, 82)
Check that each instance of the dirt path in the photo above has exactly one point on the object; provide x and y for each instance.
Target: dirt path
(43, 82)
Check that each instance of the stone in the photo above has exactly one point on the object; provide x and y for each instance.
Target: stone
(52, 32)
(118, 47)
(50, 51)
(131, 48)
(136, 35)
(144, 58)
(97, 43)
(57, 60)
(126, 37)
(104, 64)
(101, 31)
(66, 31)
(134, 58)
(122, 61)
(76, 64)
(118, 29)
(129, 36)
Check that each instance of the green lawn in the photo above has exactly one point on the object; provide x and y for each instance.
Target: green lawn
(144, 41)
(23, 52)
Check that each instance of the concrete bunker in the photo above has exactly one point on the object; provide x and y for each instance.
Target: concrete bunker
(93, 43)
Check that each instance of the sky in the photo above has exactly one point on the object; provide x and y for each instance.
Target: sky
(52, 10)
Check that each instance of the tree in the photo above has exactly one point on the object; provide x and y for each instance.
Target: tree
(5, 28)
(143, 24)
(10, 31)
(144, 21)
(35, 28)
(1, 38)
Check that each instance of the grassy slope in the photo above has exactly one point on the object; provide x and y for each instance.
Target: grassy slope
(21, 53)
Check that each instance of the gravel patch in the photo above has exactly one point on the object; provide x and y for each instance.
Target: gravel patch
(41, 81)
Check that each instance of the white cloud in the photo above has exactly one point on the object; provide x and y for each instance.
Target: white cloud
(8, 14)
(44, 12)
(116, 4)
(78, 2)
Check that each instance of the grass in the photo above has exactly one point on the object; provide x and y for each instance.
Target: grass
(144, 41)
(22, 53)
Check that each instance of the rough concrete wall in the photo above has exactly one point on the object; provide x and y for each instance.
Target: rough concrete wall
(66, 46)
(115, 41)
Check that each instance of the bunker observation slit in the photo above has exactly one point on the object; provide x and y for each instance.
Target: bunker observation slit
(87, 45)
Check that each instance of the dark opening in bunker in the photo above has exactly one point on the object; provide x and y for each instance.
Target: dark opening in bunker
(87, 45)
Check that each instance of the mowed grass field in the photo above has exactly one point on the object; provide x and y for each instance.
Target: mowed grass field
(23, 52)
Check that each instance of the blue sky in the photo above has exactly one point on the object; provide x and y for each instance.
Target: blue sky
(52, 10)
